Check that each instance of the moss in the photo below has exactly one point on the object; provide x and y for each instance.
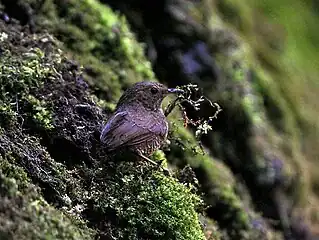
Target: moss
(148, 205)
(7, 116)
(159, 156)
(17, 173)
(41, 114)
(19, 76)
(54, 140)
(25, 215)
(100, 40)
(272, 115)
(224, 205)
(112, 59)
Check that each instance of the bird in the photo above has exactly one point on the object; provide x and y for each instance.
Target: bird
(138, 124)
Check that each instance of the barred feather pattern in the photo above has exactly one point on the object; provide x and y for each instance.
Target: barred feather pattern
(138, 131)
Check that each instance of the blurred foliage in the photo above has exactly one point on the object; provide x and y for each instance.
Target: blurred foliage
(284, 41)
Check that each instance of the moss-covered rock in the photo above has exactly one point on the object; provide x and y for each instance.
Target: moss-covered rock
(240, 59)
(218, 184)
(145, 205)
(100, 40)
(26, 215)
(50, 124)
(50, 117)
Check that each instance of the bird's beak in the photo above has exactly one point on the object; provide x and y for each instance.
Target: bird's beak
(175, 90)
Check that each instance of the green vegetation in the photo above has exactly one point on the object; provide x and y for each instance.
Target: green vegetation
(48, 117)
(217, 182)
(149, 206)
(31, 216)
(24, 75)
(101, 41)
(58, 183)
(284, 53)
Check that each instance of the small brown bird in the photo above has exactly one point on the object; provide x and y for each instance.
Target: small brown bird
(138, 124)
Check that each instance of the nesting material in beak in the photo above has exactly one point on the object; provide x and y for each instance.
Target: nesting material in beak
(175, 90)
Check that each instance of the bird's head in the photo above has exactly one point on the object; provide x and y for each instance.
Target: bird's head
(146, 94)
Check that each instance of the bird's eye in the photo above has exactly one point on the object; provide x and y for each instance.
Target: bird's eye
(154, 90)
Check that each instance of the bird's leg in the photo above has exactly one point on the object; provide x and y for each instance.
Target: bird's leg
(147, 159)
(166, 171)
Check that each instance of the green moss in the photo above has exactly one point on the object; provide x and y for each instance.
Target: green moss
(32, 218)
(41, 114)
(151, 206)
(43, 87)
(19, 76)
(136, 205)
(100, 40)
(8, 116)
(14, 172)
(159, 156)
(216, 181)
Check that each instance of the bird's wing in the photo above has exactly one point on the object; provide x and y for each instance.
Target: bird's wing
(111, 129)
(123, 131)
